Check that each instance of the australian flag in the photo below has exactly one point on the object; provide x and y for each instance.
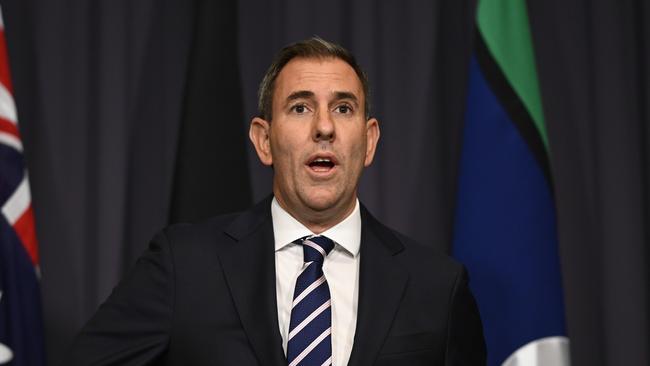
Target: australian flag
(21, 329)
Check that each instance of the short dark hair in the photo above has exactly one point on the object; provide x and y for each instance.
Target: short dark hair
(314, 47)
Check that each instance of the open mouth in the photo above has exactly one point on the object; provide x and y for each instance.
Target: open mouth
(322, 164)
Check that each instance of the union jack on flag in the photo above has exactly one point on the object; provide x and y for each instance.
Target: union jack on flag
(21, 330)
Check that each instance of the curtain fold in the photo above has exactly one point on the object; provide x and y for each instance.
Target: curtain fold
(592, 58)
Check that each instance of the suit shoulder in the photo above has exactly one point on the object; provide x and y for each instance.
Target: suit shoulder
(206, 230)
(419, 254)
(411, 253)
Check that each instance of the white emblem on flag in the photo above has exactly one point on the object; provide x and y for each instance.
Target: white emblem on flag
(5, 354)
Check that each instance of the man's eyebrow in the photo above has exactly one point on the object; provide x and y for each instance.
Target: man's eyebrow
(300, 94)
(346, 95)
(307, 94)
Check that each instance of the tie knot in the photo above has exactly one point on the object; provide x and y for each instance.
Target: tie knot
(316, 248)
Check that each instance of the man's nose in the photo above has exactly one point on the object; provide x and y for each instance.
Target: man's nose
(324, 126)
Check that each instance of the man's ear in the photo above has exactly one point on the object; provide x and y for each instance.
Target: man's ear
(372, 138)
(259, 133)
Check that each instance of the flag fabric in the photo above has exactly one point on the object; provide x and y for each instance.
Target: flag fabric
(505, 225)
(21, 332)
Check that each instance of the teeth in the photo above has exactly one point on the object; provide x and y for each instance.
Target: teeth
(321, 160)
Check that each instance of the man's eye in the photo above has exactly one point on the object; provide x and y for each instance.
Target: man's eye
(344, 109)
(300, 108)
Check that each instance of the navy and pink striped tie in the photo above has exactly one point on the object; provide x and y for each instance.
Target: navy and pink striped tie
(310, 341)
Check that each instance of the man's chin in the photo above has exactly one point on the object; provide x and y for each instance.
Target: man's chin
(327, 204)
(321, 200)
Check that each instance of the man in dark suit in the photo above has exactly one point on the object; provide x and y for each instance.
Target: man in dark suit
(307, 276)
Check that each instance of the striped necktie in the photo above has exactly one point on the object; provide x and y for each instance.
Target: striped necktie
(310, 341)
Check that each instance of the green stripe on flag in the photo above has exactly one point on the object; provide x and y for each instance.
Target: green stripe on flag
(504, 27)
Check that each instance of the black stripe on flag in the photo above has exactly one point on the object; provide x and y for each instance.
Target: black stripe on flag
(513, 105)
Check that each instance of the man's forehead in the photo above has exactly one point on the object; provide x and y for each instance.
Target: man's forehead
(330, 75)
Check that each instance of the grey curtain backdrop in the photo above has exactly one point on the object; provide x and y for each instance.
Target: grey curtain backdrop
(594, 73)
(101, 87)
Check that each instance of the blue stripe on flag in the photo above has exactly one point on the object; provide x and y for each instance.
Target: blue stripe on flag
(20, 305)
(12, 166)
(505, 231)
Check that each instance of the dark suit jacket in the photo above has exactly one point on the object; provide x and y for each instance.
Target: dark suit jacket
(204, 294)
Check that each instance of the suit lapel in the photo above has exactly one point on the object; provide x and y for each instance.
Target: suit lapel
(249, 269)
(381, 285)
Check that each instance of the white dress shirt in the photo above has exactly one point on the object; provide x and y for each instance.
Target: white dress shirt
(341, 269)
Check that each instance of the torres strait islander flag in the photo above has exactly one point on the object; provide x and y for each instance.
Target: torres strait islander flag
(21, 331)
(505, 225)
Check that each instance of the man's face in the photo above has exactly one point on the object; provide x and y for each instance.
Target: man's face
(318, 140)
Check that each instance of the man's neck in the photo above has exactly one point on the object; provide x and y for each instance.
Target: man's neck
(320, 221)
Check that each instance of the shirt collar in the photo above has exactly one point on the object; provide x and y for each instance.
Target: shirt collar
(346, 233)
